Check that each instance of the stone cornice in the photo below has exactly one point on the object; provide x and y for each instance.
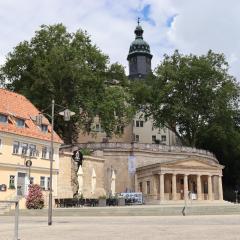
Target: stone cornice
(153, 148)
(32, 140)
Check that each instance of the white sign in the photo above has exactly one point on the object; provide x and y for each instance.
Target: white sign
(133, 197)
(131, 164)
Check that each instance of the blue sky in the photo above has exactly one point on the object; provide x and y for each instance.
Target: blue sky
(188, 25)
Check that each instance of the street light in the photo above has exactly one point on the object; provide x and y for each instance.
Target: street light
(67, 115)
(236, 192)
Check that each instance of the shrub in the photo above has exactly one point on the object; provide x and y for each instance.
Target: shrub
(35, 197)
(102, 197)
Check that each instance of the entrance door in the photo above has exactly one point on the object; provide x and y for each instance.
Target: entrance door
(21, 184)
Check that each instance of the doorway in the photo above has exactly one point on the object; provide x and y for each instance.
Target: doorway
(21, 183)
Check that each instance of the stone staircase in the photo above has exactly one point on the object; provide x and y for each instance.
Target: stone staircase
(6, 207)
(143, 210)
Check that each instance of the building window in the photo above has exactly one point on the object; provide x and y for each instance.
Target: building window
(44, 128)
(120, 129)
(154, 138)
(20, 122)
(97, 128)
(136, 138)
(44, 152)
(12, 182)
(139, 123)
(32, 150)
(148, 187)
(140, 187)
(164, 138)
(24, 148)
(16, 146)
(3, 118)
(42, 182)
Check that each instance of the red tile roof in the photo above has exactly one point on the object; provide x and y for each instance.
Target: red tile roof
(17, 106)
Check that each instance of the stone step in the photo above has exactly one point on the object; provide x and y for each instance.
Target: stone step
(135, 211)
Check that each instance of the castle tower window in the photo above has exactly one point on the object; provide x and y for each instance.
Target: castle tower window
(139, 123)
(163, 138)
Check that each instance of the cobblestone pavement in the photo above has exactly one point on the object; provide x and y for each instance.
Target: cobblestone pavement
(130, 228)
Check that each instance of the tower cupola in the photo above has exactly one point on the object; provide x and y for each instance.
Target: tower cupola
(139, 56)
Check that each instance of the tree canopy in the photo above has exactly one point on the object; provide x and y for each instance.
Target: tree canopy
(188, 92)
(69, 68)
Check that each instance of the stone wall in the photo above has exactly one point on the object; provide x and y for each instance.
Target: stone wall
(68, 179)
(65, 189)
(115, 157)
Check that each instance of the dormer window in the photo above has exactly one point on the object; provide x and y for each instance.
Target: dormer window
(20, 122)
(3, 118)
(44, 128)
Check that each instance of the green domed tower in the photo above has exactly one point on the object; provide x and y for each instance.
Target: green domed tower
(139, 56)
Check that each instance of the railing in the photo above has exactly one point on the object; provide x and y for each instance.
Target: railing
(143, 146)
(16, 217)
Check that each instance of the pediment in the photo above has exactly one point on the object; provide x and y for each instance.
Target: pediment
(193, 163)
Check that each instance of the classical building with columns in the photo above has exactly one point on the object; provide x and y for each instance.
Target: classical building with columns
(162, 173)
(191, 178)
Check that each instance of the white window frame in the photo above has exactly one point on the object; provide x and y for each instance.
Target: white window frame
(18, 149)
(44, 182)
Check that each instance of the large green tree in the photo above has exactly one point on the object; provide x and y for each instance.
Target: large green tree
(69, 68)
(188, 92)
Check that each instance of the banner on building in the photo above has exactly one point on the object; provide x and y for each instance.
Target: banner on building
(131, 164)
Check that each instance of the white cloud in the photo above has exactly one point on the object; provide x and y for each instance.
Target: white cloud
(198, 26)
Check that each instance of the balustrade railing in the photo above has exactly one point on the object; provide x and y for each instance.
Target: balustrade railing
(143, 146)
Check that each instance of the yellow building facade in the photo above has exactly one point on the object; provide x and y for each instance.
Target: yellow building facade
(21, 141)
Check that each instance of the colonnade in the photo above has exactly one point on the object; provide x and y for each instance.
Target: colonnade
(186, 186)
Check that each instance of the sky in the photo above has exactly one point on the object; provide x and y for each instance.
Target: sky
(191, 26)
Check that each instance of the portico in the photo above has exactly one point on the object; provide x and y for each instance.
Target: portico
(195, 179)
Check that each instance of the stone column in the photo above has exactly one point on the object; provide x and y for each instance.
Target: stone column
(220, 190)
(199, 187)
(174, 187)
(185, 187)
(154, 187)
(145, 188)
(161, 184)
(210, 196)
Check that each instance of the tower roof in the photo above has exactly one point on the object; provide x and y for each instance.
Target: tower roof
(139, 46)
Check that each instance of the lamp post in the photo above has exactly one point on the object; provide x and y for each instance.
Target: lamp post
(51, 168)
(236, 192)
(67, 115)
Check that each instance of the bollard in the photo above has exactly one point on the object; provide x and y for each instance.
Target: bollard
(16, 220)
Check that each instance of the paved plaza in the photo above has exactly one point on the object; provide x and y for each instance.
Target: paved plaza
(131, 228)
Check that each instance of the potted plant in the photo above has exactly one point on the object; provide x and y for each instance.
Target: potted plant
(102, 201)
(11, 186)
